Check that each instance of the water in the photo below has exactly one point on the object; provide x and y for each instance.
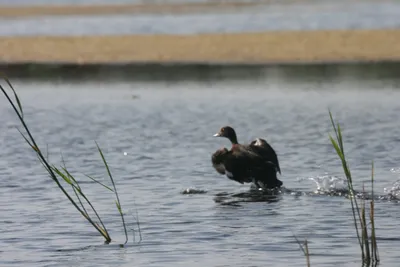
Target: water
(166, 131)
(90, 2)
(304, 16)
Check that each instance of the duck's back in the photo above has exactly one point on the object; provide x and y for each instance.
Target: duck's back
(248, 164)
(265, 150)
(255, 167)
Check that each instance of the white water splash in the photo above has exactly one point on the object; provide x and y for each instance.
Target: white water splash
(394, 190)
(326, 183)
(395, 170)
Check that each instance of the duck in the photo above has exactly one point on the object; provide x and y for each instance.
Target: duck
(256, 163)
(259, 146)
(245, 167)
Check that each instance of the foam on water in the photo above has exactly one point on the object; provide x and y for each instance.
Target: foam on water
(327, 183)
(394, 191)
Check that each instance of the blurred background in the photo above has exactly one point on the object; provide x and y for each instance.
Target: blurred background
(266, 32)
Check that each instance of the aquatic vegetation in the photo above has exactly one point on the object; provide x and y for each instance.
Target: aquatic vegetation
(304, 249)
(366, 240)
(63, 177)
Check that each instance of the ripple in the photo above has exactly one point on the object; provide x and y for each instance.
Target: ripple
(186, 210)
(318, 16)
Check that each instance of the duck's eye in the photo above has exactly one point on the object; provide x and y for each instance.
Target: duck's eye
(222, 129)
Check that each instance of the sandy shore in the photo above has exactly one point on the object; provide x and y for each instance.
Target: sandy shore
(266, 47)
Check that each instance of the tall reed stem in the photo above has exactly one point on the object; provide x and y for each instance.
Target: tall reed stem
(56, 173)
(368, 249)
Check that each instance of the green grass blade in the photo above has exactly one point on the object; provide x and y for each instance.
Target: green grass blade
(138, 224)
(300, 245)
(339, 131)
(19, 112)
(69, 175)
(333, 125)
(26, 139)
(47, 152)
(374, 245)
(93, 209)
(118, 207)
(77, 189)
(62, 175)
(337, 148)
(15, 94)
(372, 179)
(115, 192)
(95, 180)
(104, 162)
(80, 201)
(307, 253)
(64, 168)
(304, 249)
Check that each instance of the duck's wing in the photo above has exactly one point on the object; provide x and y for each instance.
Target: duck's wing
(220, 168)
(242, 164)
(266, 174)
(248, 164)
(265, 150)
(232, 165)
(218, 159)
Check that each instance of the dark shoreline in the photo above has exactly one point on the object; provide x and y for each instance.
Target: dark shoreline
(198, 71)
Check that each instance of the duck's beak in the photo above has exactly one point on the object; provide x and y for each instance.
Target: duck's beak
(217, 134)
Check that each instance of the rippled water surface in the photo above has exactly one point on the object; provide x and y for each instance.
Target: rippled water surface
(166, 131)
(320, 15)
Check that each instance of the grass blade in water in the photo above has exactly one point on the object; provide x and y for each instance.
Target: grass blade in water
(115, 191)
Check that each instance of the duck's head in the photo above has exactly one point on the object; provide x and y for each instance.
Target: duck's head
(227, 132)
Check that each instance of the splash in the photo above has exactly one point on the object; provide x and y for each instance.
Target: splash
(191, 191)
(395, 170)
(393, 192)
(328, 183)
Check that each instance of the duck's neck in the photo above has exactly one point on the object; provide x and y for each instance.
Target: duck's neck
(233, 139)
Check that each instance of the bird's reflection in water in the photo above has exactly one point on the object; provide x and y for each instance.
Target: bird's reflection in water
(275, 195)
(253, 195)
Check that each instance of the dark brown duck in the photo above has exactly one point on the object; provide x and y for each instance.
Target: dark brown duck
(256, 162)
(245, 168)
